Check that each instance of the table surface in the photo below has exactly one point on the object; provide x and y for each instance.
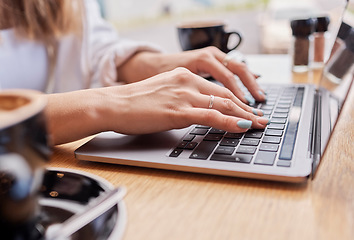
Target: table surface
(165, 204)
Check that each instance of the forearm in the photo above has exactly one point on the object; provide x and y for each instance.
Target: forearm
(147, 64)
(74, 115)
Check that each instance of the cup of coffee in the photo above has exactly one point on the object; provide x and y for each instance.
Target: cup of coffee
(197, 35)
(23, 152)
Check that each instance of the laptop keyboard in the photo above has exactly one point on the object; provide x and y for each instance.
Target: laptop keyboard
(272, 146)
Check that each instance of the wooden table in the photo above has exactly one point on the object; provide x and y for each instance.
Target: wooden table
(165, 204)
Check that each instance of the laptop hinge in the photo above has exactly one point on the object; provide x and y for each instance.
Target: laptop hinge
(315, 133)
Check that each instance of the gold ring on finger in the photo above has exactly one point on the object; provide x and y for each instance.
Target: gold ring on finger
(211, 101)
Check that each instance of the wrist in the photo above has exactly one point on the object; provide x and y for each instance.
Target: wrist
(75, 115)
(144, 63)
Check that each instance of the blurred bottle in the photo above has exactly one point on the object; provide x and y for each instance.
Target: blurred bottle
(302, 48)
(342, 60)
(321, 37)
(343, 33)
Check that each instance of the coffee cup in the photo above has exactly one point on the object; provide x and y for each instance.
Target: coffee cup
(23, 152)
(197, 35)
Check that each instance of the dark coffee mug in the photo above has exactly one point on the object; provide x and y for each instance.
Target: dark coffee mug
(23, 152)
(203, 34)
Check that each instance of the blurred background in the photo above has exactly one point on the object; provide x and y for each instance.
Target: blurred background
(264, 24)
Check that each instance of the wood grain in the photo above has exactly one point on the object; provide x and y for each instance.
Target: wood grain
(165, 204)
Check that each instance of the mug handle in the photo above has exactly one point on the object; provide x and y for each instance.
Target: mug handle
(228, 34)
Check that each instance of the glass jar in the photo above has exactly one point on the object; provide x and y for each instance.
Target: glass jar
(320, 41)
(302, 47)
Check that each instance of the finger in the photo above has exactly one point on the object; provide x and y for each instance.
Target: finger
(215, 119)
(208, 88)
(241, 70)
(218, 71)
(227, 78)
(248, 79)
(228, 107)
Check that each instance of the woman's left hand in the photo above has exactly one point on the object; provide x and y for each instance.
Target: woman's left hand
(209, 60)
(212, 61)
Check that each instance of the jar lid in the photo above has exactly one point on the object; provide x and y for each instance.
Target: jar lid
(322, 24)
(303, 27)
(344, 30)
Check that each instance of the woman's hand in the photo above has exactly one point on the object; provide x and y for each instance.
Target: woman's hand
(170, 100)
(177, 99)
(208, 60)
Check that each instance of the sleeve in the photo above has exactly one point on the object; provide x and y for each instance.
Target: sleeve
(104, 49)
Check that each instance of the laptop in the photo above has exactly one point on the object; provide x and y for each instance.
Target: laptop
(289, 149)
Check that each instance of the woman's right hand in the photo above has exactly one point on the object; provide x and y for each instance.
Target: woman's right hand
(176, 99)
(170, 100)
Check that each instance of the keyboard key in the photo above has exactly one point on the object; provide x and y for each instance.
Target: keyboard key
(299, 97)
(254, 134)
(272, 97)
(224, 150)
(280, 115)
(203, 150)
(189, 137)
(283, 163)
(229, 142)
(285, 100)
(283, 105)
(246, 149)
(281, 110)
(213, 137)
(268, 147)
(176, 152)
(216, 131)
(270, 102)
(233, 135)
(274, 140)
(240, 158)
(276, 133)
(199, 131)
(278, 120)
(287, 148)
(182, 145)
(276, 126)
(265, 158)
(250, 142)
(267, 107)
(267, 112)
(191, 145)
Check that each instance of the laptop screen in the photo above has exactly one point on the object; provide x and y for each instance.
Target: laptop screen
(337, 78)
(338, 71)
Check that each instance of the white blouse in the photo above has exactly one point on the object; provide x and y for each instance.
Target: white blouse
(81, 63)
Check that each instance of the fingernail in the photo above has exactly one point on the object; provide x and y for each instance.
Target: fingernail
(263, 120)
(262, 94)
(256, 111)
(244, 124)
(250, 99)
